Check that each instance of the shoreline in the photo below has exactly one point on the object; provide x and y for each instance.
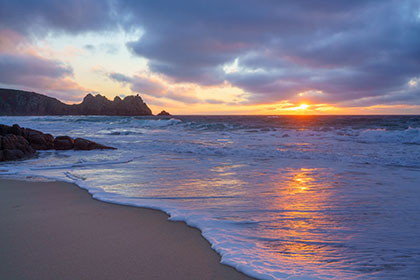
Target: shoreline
(57, 230)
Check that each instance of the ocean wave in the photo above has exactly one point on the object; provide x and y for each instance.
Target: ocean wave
(244, 182)
(381, 135)
(82, 164)
(154, 123)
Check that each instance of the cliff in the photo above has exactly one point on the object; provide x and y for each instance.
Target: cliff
(24, 103)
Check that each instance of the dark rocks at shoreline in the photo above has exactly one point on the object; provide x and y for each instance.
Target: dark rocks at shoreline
(19, 143)
(14, 147)
(86, 145)
(163, 113)
(63, 143)
(24, 103)
(39, 140)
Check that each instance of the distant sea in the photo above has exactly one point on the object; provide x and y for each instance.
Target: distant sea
(295, 197)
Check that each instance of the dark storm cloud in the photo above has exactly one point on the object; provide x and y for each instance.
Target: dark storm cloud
(349, 50)
(41, 16)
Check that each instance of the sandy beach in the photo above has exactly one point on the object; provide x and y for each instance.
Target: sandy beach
(55, 230)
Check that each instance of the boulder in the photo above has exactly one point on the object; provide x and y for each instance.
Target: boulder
(63, 143)
(23, 145)
(84, 144)
(39, 140)
(5, 129)
(9, 142)
(164, 113)
(13, 154)
(16, 130)
(28, 133)
(18, 143)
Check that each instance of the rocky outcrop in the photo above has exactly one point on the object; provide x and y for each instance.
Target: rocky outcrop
(100, 105)
(83, 144)
(38, 140)
(14, 147)
(19, 143)
(63, 143)
(163, 113)
(24, 103)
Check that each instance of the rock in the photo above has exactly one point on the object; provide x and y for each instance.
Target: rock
(117, 99)
(18, 143)
(13, 154)
(23, 145)
(9, 142)
(63, 143)
(163, 113)
(24, 103)
(5, 129)
(84, 144)
(27, 133)
(13, 147)
(39, 140)
(16, 130)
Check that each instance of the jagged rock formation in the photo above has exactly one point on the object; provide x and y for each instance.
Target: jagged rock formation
(163, 113)
(24, 103)
(18, 143)
(100, 105)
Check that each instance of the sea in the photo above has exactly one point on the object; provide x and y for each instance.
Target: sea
(278, 197)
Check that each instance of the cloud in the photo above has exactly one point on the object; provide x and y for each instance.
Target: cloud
(13, 67)
(89, 47)
(351, 51)
(148, 85)
(348, 49)
(42, 16)
(186, 97)
(106, 48)
(142, 84)
(45, 75)
(214, 101)
(158, 87)
(118, 77)
(22, 67)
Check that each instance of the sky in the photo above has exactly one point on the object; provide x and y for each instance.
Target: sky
(220, 56)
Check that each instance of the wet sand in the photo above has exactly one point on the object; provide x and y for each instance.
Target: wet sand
(55, 230)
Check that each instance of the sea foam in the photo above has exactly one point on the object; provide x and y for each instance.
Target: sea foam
(277, 197)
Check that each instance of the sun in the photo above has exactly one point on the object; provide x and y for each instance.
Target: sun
(302, 106)
(299, 108)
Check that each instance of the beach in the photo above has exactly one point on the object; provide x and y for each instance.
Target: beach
(55, 230)
(277, 197)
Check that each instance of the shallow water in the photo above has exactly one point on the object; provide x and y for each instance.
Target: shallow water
(278, 197)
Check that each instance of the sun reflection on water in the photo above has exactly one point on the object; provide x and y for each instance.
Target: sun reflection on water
(303, 229)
